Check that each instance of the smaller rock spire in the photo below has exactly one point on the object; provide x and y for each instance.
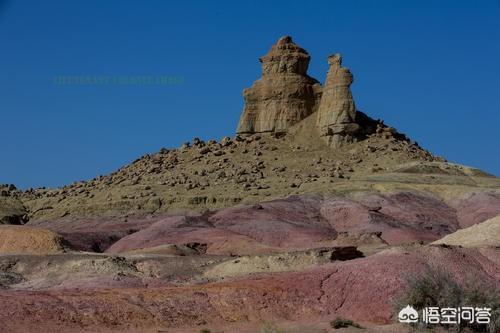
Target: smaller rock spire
(337, 112)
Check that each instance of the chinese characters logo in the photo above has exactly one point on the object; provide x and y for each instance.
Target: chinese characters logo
(446, 316)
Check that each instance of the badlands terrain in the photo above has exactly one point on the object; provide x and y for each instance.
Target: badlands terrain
(311, 212)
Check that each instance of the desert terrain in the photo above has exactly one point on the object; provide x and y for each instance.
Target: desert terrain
(312, 211)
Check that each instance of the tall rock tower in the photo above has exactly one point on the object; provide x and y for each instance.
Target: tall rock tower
(284, 95)
(337, 112)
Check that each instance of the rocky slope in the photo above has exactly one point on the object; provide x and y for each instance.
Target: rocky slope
(215, 175)
(12, 210)
(360, 289)
(15, 239)
(484, 234)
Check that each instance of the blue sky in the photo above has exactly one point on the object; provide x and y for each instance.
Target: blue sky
(429, 68)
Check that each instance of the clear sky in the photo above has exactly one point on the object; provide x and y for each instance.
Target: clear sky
(429, 68)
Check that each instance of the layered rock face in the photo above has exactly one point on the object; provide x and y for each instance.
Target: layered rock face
(284, 95)
(337, 112)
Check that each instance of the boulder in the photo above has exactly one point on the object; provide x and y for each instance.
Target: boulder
(284, 95)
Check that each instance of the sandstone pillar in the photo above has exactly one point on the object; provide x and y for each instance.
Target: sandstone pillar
(284, 95)
(337, 112)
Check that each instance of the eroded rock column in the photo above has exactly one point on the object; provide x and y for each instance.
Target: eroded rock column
(284, 95)
(337, 112)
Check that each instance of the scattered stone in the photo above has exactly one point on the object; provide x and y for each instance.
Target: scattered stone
(226, 141)
(197, 142)
(205, 150)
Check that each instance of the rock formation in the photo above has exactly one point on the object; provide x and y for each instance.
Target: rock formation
(284, 95)
(337, 112)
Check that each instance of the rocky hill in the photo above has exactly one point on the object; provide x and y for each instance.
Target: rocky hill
(294, 137)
